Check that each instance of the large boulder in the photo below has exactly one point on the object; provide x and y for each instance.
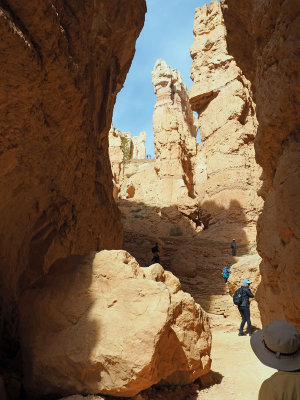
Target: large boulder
(101, 324)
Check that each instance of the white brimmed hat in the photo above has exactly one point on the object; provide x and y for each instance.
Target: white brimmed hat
(278, 346)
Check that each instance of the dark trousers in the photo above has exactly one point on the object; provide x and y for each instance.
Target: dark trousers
(225, 279)
(245, 314)
(233, 251)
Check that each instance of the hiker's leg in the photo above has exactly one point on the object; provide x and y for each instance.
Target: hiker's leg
(241, 310)
(247, 315)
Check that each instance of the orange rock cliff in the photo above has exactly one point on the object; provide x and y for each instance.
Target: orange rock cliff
(222, 97)
(63, 65)
(269, 59)
(65, 302)
(58, 90)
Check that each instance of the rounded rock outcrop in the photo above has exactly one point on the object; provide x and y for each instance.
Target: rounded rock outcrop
(101, 324)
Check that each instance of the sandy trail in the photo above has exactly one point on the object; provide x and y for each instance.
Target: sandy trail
(242, 373)
(235, 368)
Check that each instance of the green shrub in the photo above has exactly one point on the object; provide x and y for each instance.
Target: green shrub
(136, 211)
(139, 216)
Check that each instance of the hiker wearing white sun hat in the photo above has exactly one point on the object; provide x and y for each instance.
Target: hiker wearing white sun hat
(278, 346)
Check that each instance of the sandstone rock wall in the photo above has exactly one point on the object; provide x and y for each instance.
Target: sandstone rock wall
(63, 64)
(175, 132)
(270, 59)
(101, 324)
(123, 149)
(139, 146)
(170, 177)
(118, 143)
(227, 177)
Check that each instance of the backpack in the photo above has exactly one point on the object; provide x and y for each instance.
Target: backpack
(238, 297)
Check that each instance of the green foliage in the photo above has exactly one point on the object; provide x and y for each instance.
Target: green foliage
(125, 149)
(138, 216)
(136, 211)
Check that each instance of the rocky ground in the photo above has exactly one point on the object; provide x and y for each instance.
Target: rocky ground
(236, 374)
(196, 257)
(197, 260)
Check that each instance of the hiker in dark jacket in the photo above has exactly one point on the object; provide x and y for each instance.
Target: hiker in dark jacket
(155, 248)
(156, 259)
(244, 307)
(233, 247)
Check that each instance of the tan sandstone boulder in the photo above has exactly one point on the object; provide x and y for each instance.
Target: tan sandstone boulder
(101, 324)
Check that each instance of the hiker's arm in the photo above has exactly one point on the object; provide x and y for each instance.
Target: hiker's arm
(250, 294)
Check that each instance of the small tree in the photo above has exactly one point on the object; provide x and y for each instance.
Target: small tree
(126, 151)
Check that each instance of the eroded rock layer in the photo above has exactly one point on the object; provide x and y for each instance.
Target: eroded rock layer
(170, 176)
(228, 176)
(175, 130)
(63, 64)
(270, 58)
(123, 149)
(101, 324)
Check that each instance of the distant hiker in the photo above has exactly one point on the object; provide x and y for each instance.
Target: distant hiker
(278, 347)
(155, 248)
(156, 259)
(241, 299)
(226, 273)
(233, 247)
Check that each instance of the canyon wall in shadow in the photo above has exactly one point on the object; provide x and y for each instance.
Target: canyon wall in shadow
(269, 58)
(63, 64)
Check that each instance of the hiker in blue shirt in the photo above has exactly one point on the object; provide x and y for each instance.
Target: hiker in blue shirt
(226, 273)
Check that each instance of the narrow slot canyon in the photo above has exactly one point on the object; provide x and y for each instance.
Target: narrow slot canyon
(111, 258)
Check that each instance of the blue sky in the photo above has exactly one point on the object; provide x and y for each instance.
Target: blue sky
(167, 34)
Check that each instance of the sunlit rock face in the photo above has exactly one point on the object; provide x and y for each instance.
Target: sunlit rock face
(175, 132)
(64, 64)
(118, 143)
(169, 177)
(228, 175)
(102, 324)
(269, 56)
(122, 150)
(139, 146)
